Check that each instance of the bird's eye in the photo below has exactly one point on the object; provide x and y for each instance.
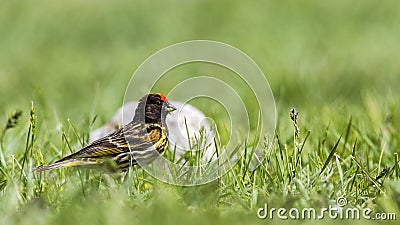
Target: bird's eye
(158, 102)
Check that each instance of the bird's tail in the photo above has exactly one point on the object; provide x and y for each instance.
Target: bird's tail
(66, 163)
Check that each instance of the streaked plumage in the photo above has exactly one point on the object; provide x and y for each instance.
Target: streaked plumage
(138, 142)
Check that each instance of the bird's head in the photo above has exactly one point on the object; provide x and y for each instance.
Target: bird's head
(155, 108)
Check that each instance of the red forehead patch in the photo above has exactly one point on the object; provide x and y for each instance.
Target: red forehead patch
(162, 97)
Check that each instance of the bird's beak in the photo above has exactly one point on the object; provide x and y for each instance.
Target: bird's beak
(170, 107)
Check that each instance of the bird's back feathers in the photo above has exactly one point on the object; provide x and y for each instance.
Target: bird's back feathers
(136, 142)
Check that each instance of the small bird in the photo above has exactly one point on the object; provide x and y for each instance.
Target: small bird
(138, 142)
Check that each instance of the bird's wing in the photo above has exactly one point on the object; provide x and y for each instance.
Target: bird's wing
(115, 143)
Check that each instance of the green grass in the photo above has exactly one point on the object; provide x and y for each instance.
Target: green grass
(310, 170)
(66, 67)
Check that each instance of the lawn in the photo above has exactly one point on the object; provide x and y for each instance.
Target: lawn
(64, 69)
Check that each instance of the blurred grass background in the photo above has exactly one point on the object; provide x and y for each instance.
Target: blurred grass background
(78, 56)
(330, 59)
